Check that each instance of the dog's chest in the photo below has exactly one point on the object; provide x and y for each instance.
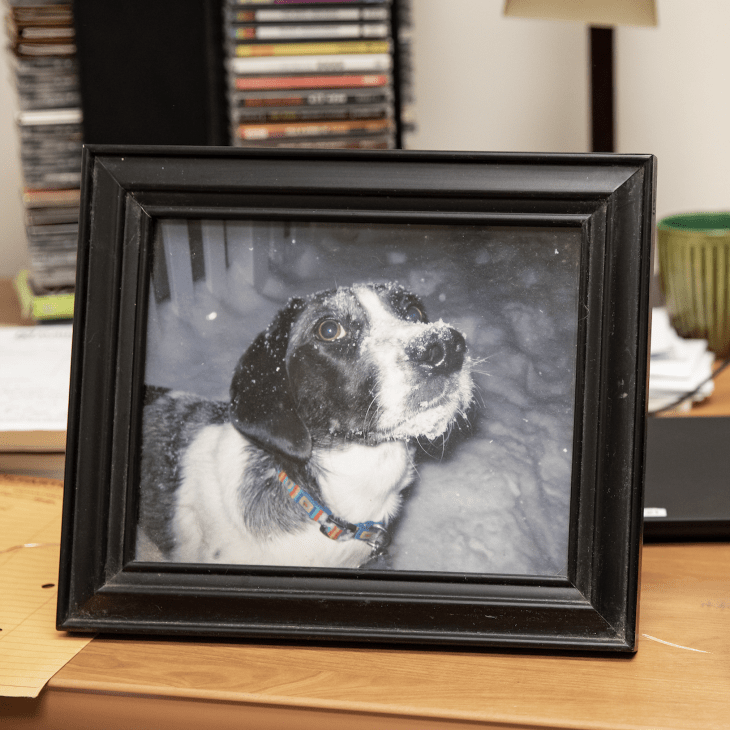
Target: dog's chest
(358, 484)
(363, 483)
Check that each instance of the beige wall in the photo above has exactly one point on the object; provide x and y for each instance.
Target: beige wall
(12, 235)
(484, 82)
(674, 101)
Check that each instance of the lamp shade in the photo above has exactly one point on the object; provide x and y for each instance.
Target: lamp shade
(595, 12)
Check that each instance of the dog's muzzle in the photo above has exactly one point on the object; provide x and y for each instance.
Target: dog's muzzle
(439, 352)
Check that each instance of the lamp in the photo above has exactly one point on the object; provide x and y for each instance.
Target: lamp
(602, 15)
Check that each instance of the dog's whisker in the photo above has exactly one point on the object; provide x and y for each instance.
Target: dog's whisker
(366, 425)
(480, 360)
(422, 447)
(412, 461)
(371, 417)
(478, 396)
(376, 414)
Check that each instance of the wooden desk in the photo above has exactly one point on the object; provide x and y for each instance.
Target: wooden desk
(117, 683)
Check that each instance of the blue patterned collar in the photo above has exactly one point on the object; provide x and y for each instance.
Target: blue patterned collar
(335, 528)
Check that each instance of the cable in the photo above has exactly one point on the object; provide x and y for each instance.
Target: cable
(684, 397)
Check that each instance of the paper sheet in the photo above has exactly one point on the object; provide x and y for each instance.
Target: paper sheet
(35, 364)
(678, 365)
(31, 650)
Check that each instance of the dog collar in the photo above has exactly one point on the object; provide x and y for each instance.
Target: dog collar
(335, 528)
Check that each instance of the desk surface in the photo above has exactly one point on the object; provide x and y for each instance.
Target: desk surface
(680, 677)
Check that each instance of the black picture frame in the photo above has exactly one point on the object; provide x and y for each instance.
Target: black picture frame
(607, 200)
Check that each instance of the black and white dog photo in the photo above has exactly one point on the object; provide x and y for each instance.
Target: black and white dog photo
(306, 464)
(266, 404)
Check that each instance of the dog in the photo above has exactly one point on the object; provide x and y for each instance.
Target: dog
(305, 465)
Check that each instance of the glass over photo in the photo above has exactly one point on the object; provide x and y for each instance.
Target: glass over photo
(388, 396)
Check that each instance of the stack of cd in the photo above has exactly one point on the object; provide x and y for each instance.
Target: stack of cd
(43, 61)
(311, 74)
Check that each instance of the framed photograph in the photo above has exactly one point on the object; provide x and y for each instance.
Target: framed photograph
(359, 396)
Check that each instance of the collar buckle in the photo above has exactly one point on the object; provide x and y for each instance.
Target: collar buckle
(376, 535)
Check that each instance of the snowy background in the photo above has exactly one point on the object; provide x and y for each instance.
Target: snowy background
(494, 498)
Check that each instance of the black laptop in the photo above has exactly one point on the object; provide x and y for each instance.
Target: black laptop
(687, 494)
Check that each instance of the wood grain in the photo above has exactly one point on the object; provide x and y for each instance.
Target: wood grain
(679, 684)
(31, 650)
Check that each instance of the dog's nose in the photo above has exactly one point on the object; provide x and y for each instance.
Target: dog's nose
(440, 352)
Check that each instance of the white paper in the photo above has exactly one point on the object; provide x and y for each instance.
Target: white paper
(35, 365)
(678, 365)
(663, 335)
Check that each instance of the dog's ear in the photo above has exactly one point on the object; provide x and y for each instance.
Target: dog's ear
(263, 407)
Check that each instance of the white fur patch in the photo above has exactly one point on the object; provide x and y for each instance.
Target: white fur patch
(385, 345)
(208, 524)
(207, 512)
(361, 483)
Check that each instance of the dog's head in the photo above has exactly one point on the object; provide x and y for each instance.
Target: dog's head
(357, 363)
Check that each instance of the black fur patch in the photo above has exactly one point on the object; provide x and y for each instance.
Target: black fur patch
(266, 505)
(262, 405)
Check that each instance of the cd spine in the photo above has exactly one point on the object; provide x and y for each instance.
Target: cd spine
(312, 74)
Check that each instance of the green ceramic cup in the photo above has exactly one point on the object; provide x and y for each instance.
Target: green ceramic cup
(694, 266)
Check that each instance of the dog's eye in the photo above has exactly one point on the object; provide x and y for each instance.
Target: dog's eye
(330, 330)
(414, 314)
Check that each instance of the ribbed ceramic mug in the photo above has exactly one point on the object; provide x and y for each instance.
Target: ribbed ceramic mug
(694, 265)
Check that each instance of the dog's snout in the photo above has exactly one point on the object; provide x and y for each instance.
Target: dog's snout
(438, 352)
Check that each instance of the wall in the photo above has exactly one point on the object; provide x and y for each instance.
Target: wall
(485, 82)
(12, 234)
(673, 101)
